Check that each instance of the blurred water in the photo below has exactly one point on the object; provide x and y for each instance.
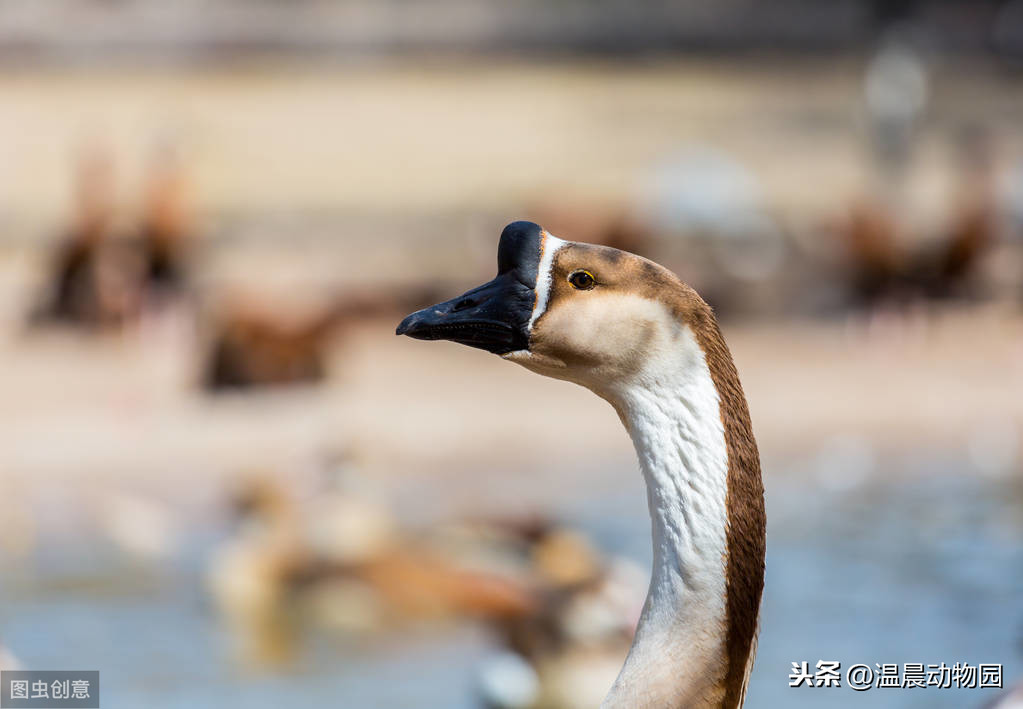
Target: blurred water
(925, 569)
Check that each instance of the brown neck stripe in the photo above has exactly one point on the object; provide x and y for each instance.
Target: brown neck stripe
(747, 521)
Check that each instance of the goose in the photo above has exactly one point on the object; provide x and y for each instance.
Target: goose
(74, 292)
(252, 346)
(279, 573)
(637, 336)
(96, 276)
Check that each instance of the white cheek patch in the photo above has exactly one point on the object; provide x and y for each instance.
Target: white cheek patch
(548, 246)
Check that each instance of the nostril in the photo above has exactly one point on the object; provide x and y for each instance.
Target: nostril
(463, 304)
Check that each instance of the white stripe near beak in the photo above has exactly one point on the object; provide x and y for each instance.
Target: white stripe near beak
(548, 246)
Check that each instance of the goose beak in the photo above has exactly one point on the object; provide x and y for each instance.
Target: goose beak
(492, 317)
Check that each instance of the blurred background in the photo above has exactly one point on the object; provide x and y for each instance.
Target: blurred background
(224, 479)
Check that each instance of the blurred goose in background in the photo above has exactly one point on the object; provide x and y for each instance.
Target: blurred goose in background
(287, 564)
(338, 562)
(92, 280)
(638, 337)
(881, 271)
(98, 280)
(886, 265)
(250, 347)
(257, 345)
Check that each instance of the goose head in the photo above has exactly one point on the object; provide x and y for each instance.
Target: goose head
(590, 314)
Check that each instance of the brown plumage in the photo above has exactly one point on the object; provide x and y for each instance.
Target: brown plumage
(747, 521)
(881, 268)
(255, 349)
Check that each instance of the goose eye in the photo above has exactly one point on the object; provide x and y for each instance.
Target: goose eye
(582, 280)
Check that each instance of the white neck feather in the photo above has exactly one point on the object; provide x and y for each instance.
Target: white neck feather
(672, 413)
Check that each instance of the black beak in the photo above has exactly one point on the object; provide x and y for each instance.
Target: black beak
(493, 317)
